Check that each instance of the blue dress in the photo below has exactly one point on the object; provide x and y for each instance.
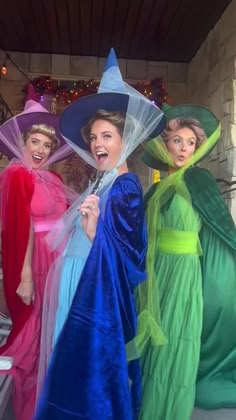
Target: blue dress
(89, 377)
(70, 275)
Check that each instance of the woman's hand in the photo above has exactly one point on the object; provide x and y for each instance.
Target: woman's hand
(25, 289)
(89, 210)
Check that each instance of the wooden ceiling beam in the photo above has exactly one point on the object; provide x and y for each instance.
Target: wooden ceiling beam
(158, 30)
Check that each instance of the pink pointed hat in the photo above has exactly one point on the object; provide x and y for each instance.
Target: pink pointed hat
(33, 113)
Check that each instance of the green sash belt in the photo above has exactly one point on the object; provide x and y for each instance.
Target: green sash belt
(178, 242)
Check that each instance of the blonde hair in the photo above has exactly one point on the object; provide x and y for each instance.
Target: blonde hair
(182, 122)
(46, 130)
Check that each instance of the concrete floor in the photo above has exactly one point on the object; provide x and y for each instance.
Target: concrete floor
(213, 414)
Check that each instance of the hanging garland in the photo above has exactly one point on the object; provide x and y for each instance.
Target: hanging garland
(155, 89)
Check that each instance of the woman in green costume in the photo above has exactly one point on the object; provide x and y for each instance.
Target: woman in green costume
(191, 265)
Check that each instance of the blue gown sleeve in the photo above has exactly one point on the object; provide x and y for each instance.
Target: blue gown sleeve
(125, 225)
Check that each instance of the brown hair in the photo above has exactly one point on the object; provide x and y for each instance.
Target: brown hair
(115, 118)
(46, 130)
(182, 122)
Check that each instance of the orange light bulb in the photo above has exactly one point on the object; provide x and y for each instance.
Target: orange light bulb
(4, 70)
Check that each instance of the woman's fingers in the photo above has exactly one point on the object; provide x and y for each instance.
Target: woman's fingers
(26, 292)
(90, 204)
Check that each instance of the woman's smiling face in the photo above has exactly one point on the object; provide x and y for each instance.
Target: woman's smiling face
(105, 144)
(38, 148)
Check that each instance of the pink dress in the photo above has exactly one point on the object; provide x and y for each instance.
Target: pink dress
(47, 206)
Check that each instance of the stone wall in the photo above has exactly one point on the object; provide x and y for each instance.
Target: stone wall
(64, 67)
(212, 82)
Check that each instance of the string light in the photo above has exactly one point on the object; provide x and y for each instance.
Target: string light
(4, 69)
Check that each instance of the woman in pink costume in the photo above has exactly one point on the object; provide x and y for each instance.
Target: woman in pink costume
(32, 200)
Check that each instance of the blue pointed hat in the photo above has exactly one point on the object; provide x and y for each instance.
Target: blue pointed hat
(112, 96)
(112, 80)
(111, 61)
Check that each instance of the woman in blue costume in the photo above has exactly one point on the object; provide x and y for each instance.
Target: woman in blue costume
(89, 375)
(191, 265)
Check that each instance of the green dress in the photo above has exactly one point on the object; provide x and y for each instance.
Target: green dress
(191, 364)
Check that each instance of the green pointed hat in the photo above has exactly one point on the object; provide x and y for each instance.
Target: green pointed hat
(206, 118)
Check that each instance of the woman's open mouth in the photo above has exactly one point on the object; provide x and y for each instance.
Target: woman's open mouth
(101, 157)
(37, 159)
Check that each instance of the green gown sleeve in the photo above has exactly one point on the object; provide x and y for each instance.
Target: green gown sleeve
(208, 201)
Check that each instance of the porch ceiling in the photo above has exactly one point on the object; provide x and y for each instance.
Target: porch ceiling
(159, 30)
